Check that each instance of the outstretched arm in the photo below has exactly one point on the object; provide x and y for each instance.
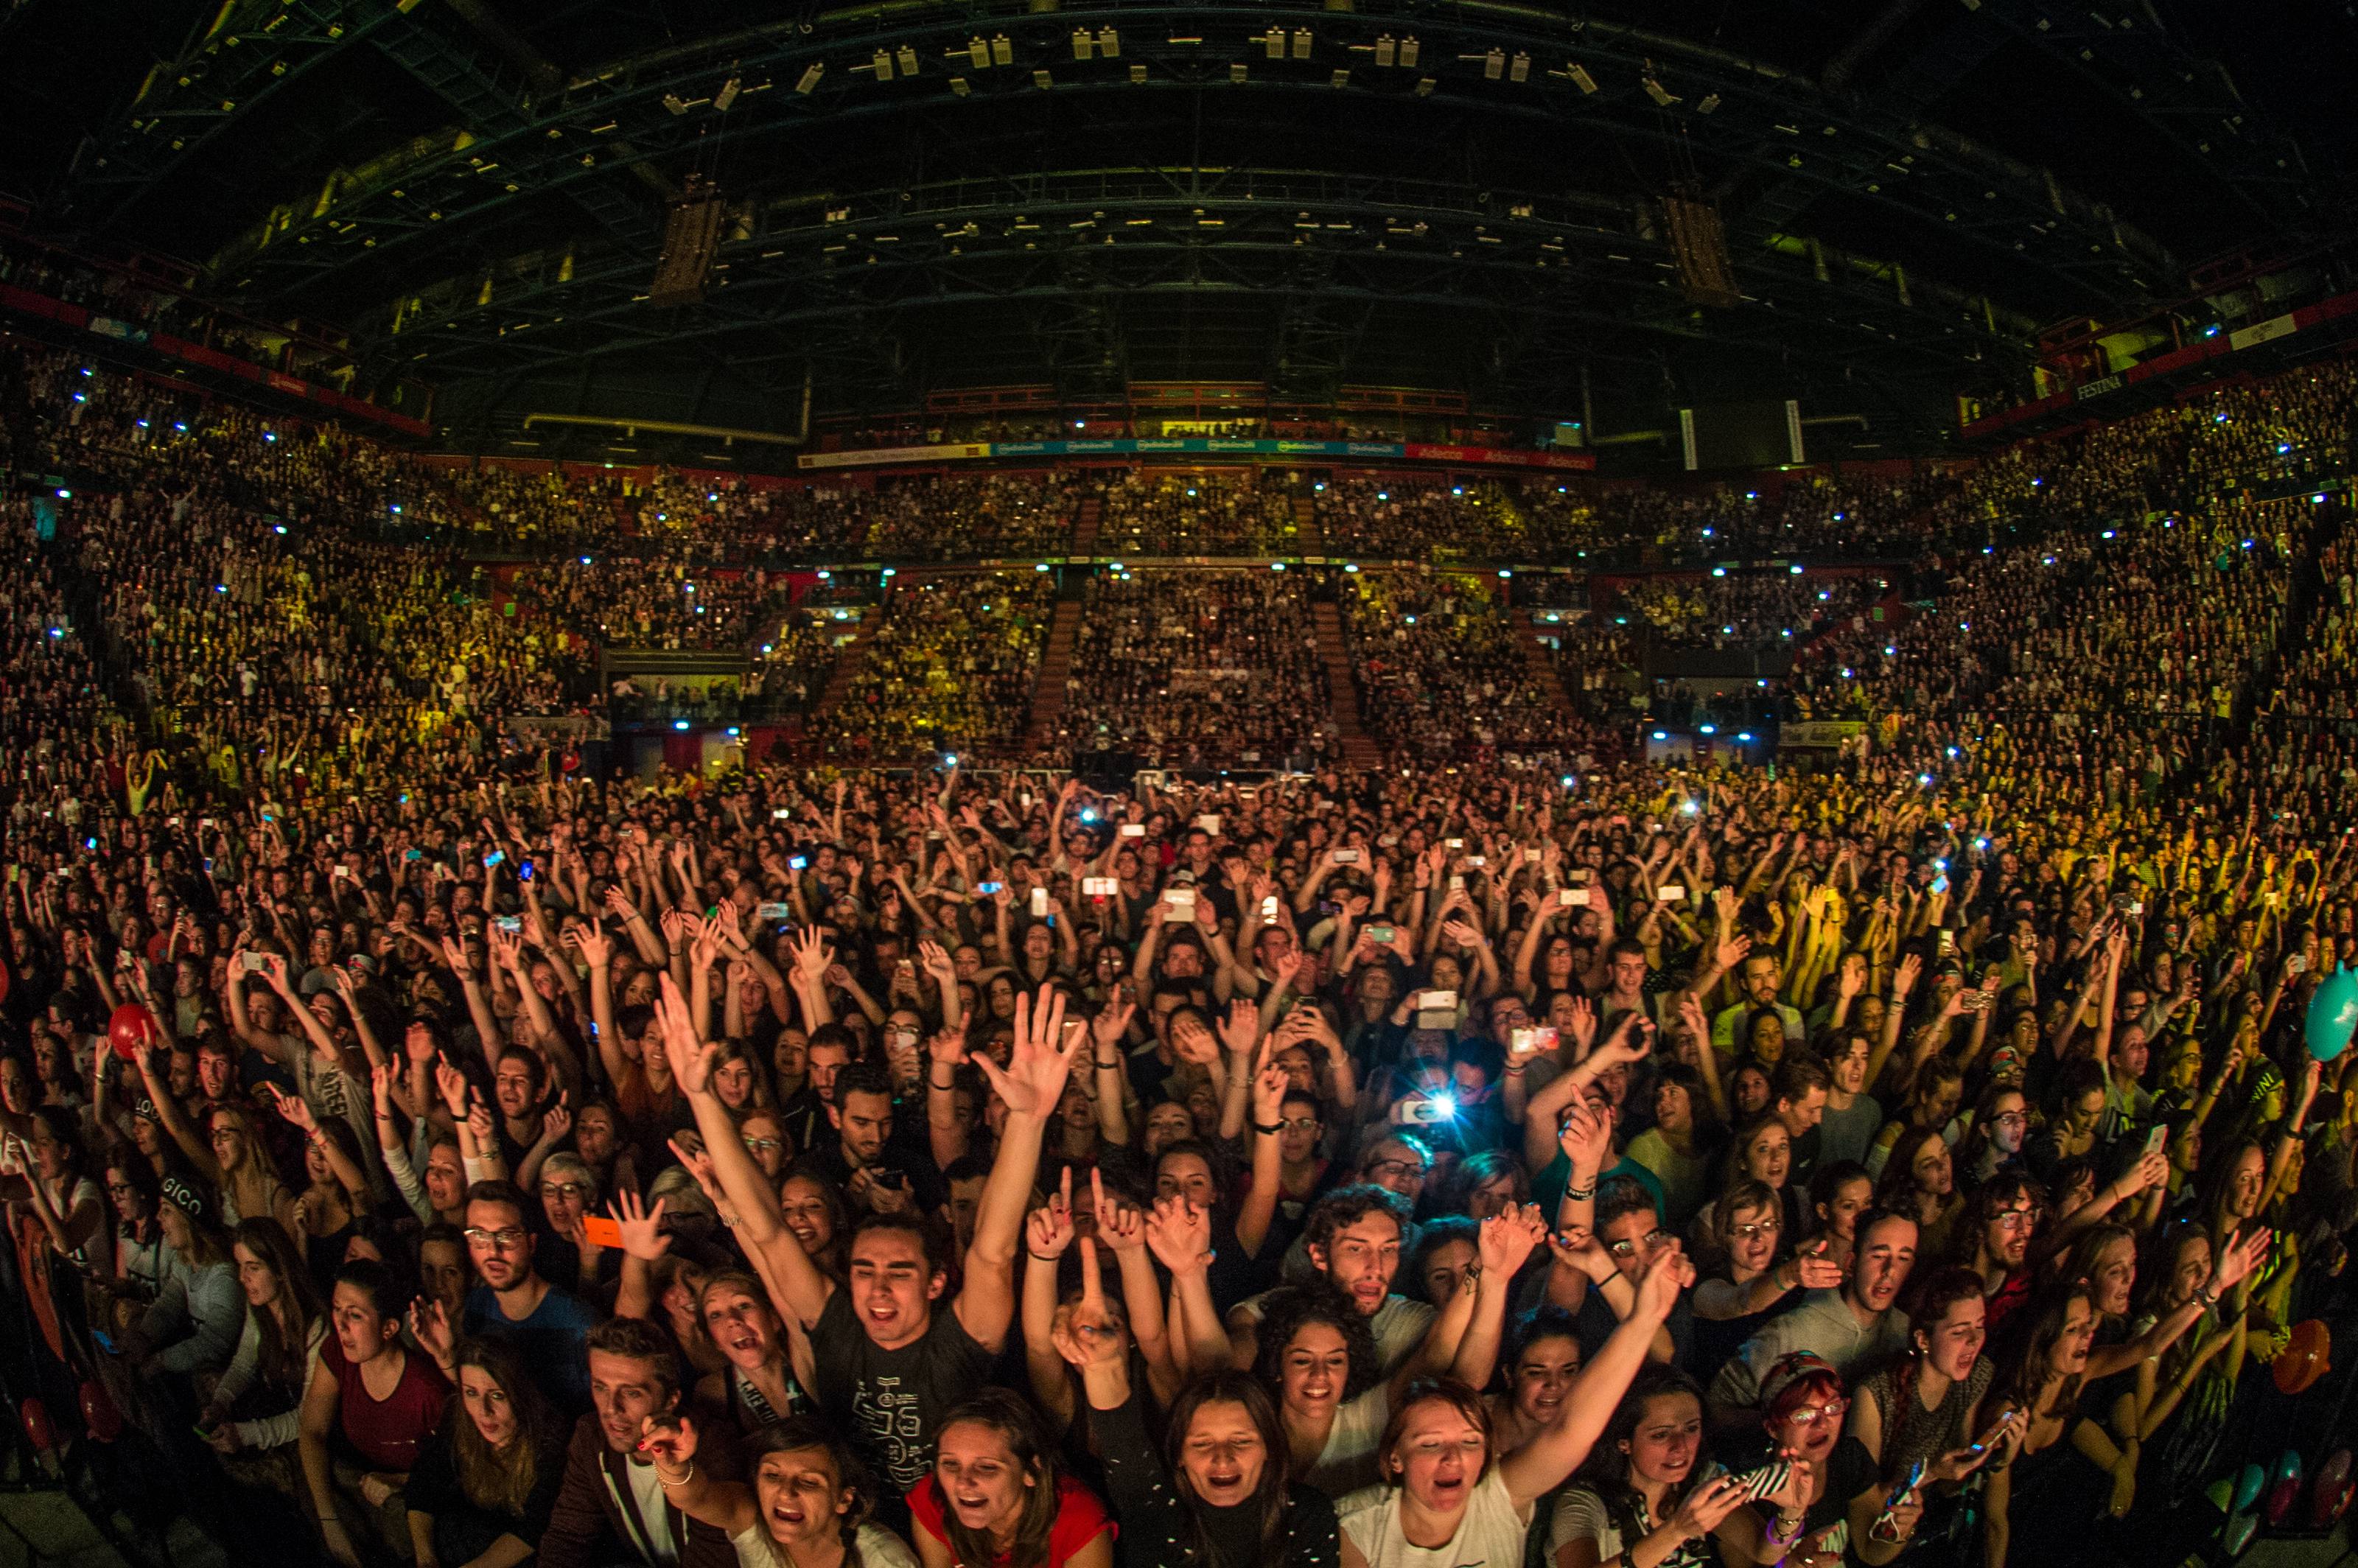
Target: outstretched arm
(1030, 1086)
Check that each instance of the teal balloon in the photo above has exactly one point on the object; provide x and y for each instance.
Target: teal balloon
(2333, 1014)
(2250, 1482)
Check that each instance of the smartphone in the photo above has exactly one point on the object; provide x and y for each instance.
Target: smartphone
(105, 1340)
(779, 813)
(413, 854)
(1346, 857)
(1671, 895)
(1531, 857)
(497, 857)
(1908, 1483)
(1453, 843)
(253, 965)
(1572, 898)
(1039, 904)
(1269, 908)
(511, 923)
(1766, 1480)
(600, 1231)
(1209, 824)
(1100, 887)
(1381, 936)
(1457, 880)
(1181, 898)
(1424, 1112)
(775, 911)
(1133, 830)
(2157, 1138)
(2297, 964)
(1437, 1002)
(1947, 941)
(887, 1177)
(798, 863)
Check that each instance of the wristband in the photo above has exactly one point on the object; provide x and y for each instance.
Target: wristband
(1039, 1257)
(1579, 1195)
(1273, 1127)
(1113, 1066)
(944, 1088)
(1514, 1072)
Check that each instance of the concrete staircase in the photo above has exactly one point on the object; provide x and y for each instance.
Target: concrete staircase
(1084, 528)
(848, 659)
(1056, 660)
(1359, 748)
(1308, 538)
(1535, 655)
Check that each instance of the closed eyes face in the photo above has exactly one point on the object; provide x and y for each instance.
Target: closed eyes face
(1225, 1454)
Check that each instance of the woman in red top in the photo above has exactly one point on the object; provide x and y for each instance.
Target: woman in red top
(996, 1495)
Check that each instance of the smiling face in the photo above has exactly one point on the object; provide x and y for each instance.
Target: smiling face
(1224, 1454)
(803, 1208)
(1543, 1376)
(801, 1498)
(1440, 1456)
(983, 1481)
(892, 1286)
(1315, 1370)
(742, 1326)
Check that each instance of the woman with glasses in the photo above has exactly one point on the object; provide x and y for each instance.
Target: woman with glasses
(567, 1257)
(230, 1157)
(1806, 1521)
(1753, 1284)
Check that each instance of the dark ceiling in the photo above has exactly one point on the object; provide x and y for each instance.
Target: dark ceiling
(474, 190)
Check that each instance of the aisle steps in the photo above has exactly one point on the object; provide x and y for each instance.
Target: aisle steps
(1056, 660)
(1359, 748)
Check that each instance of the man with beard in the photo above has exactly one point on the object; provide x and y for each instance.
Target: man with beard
(513, 1302)
(1353, 1240)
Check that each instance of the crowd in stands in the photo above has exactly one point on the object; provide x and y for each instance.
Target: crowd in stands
(949, 666)
(1152, 512)
(1191, 667)
(1443, 670)
(1754, 612)
(1513, 1151)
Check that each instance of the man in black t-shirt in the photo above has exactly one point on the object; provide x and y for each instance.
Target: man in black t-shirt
(888, 1363)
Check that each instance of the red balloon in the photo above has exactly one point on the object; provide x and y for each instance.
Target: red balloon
(98, 1412)
(2281, 1498)
(36, 1416)
(132, 1030)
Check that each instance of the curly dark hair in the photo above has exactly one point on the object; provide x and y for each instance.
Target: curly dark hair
(1290, 1309)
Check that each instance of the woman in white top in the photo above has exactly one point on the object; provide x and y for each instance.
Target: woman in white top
(803, 1509)
(1445, 1500)
(257, 1404)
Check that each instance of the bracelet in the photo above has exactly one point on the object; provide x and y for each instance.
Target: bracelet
(2206, 1296)
(1579, 1195)
(1114, 1065)
(944, 1088)
(663, 1480)
(1040, 1256)
(1514, 1072)
(1272, 1127)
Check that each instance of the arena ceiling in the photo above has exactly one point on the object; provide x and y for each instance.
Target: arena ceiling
(929, 194)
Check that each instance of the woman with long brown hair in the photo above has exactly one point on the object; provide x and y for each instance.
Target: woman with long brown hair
(485, 1485)
(998, 1499)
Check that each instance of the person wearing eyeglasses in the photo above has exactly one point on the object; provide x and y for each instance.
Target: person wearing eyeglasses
(1756, 1279)
(549, 1327)
(1848, 1328)
(568, 1196)
(1399, 1164)
(1806, 1522)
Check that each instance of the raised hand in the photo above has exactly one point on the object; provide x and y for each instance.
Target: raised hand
(291, 1106)
(1586, 1136)
(1049, 1229)
(478, 1123)
(1113, 1022)
(597, 948)
(642, 1227)
(1658, 1293)
(947, 1047)
(1269, 1087)
(1120, 1226)
(452, 1083)
(430, 1324)
(1240, 1029)
(1041, 1059)
(1180, 1235)
(670, 1442)
(1507, 1239)
(1814, 1271)
(691, 1059)
(1090, 1335)
(556, 1121)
